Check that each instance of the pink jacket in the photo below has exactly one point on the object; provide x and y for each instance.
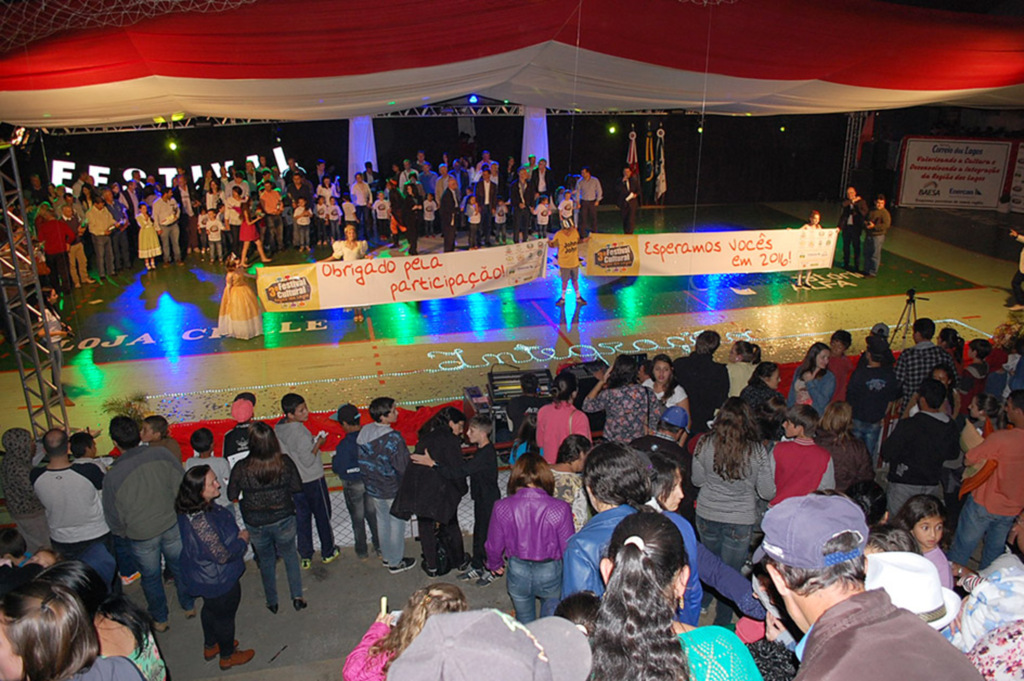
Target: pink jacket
(361, 667)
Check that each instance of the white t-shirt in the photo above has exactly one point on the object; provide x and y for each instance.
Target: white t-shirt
(349, 209)
(500, 214)
(678, 395)
(381, 209)
(429, 208)
(543, 211)
(565, 209)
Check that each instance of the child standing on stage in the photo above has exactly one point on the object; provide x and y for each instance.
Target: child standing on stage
(567, 241)
(249, 232)
(320, 222)
(803, 277)
(239, 309)
(566, 209)
(429, 211)
(334, 219)
(501, 220)
(149, 240)
(473, 216)
(543, 213)
(382, 214)
(302, 216)
(348, 210)
(213, 228)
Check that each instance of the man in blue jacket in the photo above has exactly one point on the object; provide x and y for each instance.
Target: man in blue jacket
(618, 486)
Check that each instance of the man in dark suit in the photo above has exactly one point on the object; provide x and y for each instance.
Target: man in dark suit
(449, 209)
(487, 200)
(521, 198)
(541, 179)
(629, 200)
(852, 222)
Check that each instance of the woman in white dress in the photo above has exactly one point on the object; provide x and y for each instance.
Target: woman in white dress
(348, 250)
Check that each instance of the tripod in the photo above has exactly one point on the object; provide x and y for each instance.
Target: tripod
(908, 317)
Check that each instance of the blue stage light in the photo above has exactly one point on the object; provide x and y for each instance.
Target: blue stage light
(473, 99)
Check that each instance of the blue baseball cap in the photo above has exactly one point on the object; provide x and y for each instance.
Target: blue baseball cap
(797, 529)
(676, 416)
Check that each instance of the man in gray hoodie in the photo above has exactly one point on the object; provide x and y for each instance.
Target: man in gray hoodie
(314, 501)
(383, 458)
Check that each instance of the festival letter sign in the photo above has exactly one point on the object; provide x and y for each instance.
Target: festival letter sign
(361, 283)
(953, 172)
(672, 255)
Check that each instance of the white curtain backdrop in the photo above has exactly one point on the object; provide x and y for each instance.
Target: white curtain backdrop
(535, 133)
(361, 145)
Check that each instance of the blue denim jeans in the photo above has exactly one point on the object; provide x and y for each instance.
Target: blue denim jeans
(731, 543)
(976, 524)
(870, 434)
(391, 531)
(314, 502)
(528, 580)
(362, 511)
(873, 253)
(269, 542)
(147, 553)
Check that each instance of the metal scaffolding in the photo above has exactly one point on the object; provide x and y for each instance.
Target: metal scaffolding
(25, 310)
(854, 124)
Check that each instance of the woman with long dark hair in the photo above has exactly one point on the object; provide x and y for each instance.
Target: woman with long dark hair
(560, 419)
(432, 498)
(762, 386)
(663, 383)
(265, 480)
(733, 469)
(816, 379)
(636, 636)
(632, 410)
(213, 552)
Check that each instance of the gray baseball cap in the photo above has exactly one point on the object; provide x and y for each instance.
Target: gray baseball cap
(797, 529)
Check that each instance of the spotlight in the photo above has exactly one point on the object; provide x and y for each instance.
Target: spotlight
(172, 145)
(473, 99)
(782, 128)
(611, 129)
(700, 130)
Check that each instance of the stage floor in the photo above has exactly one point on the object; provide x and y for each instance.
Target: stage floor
(152, 333)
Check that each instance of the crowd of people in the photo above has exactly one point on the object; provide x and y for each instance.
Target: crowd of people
(256, 210)
(814, 524)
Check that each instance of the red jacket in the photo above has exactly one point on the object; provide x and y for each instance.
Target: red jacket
(56, 235)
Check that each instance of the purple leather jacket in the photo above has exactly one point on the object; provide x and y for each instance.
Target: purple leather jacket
(530, 525)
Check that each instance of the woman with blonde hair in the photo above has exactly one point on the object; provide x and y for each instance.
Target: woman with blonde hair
(849, 453)
(390, 635)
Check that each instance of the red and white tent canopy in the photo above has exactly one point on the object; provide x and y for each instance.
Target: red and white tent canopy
(321, 59)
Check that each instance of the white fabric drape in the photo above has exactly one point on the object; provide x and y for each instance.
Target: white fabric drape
(535, 132)
(361, 145)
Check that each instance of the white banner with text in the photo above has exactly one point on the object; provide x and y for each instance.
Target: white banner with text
(956, 173)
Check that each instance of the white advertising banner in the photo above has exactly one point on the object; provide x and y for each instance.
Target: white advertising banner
(1017, 182)
(957, 173)
(361, 283)
(741, 252)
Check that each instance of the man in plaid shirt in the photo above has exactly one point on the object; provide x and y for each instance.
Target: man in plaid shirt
(915, 364)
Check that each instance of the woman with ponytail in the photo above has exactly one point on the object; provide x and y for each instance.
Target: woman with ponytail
(560, 419)
(636, 637)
